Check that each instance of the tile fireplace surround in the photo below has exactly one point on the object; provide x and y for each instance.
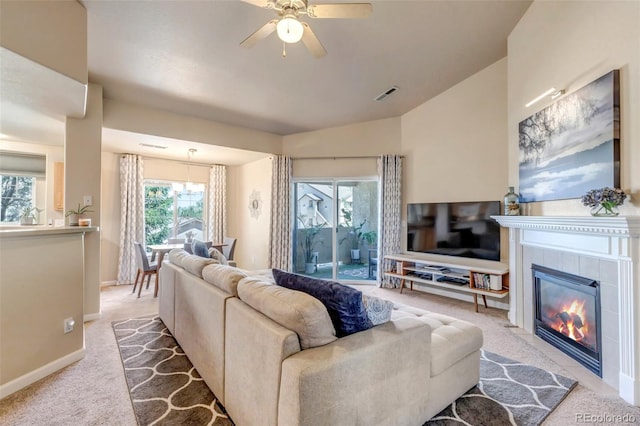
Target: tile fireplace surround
(600, 248)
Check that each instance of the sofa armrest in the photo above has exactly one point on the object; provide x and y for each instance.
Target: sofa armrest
(166, 293)
(377, 376)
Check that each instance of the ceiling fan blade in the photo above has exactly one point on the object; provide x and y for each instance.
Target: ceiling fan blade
(262, 32)
(311, 41)
(348, 10)
(267, 4)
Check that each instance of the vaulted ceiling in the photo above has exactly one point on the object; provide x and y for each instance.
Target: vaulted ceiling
(185, 57)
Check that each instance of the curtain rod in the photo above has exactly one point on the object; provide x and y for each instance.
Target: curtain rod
(353, 157)
(148, 157)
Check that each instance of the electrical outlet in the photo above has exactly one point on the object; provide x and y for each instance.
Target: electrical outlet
(88, 200)
(68, 325)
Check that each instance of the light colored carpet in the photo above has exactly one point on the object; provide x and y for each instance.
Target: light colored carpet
(165, 387)
(93, 391)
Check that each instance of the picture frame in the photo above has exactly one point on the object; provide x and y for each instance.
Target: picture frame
(573, 145)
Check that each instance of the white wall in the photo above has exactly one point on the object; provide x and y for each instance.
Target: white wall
(359, 139)
(455, 145)
(50, 33)
(82, 176)
(252, 247)
(149, 121)
(110, 226)
(568, 44)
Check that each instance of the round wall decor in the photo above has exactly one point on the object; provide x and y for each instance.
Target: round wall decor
(255, 204)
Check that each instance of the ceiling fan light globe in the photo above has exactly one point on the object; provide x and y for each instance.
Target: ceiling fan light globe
(290, 30)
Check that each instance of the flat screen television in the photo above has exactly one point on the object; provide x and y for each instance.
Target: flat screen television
(463, 229)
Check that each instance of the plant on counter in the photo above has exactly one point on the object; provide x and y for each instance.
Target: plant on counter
(74, 215)
(28, 215)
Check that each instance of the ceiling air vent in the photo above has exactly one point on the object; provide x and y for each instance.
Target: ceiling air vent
(150, 145)
(386, 93)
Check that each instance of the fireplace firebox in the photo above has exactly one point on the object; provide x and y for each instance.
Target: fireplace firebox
(567, 314)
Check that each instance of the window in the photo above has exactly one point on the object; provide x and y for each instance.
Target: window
(173, 210)
(18, 193)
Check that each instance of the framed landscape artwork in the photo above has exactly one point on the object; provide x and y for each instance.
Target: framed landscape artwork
(573, 145)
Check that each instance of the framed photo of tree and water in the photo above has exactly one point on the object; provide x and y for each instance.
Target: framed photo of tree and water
(573, 145)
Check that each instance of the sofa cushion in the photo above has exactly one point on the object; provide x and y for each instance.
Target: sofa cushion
(177, 256)
(294, 310)
(343, 303)
(214, 253)
(194, 264)
(224, 277)
(378, 310)
(451, 339)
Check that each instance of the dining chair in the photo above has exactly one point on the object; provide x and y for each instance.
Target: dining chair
(228, 249)
(145, 269)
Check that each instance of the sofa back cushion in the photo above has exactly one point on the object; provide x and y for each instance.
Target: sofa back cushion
(294, 310)
(224, 277)
(177, 256)
(343, 303)
(195, 264)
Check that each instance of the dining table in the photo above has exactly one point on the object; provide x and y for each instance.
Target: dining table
(160, 250)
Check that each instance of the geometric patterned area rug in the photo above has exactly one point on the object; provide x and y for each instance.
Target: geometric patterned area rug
(164, 386)
(509, 393)
(166, 389)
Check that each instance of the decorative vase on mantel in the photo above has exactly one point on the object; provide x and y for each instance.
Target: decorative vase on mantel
(603, 210)
(511, 203)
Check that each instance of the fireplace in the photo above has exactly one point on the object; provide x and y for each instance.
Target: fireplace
(567, 314)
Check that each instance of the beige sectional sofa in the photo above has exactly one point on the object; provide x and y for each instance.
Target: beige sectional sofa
(230, 324)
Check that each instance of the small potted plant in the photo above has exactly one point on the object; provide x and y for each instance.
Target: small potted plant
(604, 201)
(28, 215)
(308, 244)
(75, 215)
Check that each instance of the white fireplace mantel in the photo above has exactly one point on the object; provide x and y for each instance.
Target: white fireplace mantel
(574, 244)
(609, 225)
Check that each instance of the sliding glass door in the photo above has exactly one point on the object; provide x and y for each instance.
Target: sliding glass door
(335, 229)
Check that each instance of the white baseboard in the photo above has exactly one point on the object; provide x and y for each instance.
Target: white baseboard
(92, 317)
(108, 283)
(37, 374)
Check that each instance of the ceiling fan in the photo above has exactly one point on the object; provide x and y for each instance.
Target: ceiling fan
(291, 30)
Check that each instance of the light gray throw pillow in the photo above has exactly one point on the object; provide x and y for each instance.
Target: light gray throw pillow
(378, 310)
(214, 253)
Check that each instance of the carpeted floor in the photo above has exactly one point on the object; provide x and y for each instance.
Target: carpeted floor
(509, 393)
(93, 391)
(165, 387)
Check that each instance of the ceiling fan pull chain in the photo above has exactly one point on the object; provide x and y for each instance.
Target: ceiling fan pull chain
(284, 49)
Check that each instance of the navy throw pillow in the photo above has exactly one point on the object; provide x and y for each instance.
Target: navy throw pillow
(199, 248)
(343, 303)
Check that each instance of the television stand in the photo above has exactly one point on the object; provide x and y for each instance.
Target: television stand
(466, 275)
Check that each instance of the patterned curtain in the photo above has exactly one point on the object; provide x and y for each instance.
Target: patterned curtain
(390, 172)
(217, 209)
(131, 215)
(280, 226)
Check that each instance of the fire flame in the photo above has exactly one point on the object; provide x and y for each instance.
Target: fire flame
(571, 320)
